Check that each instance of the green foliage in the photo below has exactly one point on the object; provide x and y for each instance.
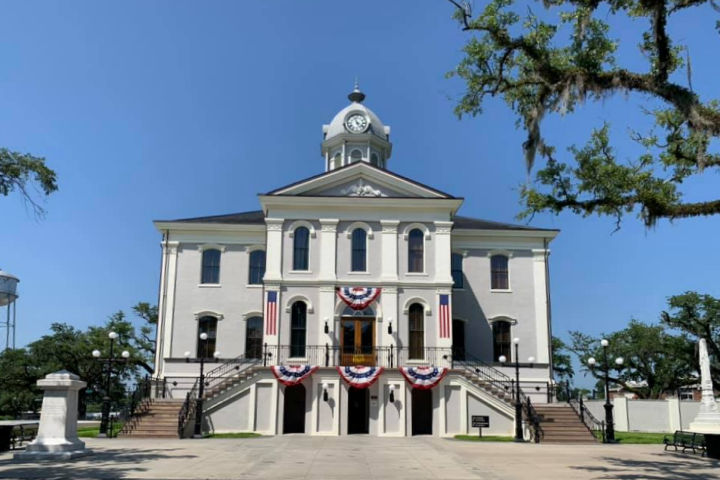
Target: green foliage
(661, 361)
(68, 348)
(638, 438)
(697, 315)
(562, 364)
(488, 438)
(541, 68)
(19, 172)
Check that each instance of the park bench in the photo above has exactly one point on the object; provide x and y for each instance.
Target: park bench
(686, 440)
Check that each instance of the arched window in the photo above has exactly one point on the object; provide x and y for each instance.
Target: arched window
(301, 248)
(456, 261)
(416, 249)
(355, 156)
(210, 266)
(298, 327)
(416, 325)
(253, 337)
(359, 250)
(374, 160)
(499, 272)
(501, 340)
(336, 161)
(206, 348)
(257, 267)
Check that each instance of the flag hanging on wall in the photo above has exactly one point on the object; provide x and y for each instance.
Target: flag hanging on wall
(358, 298)
(271, 312)
(360, 377)
(444, 316)
(292, 374)
(423, 378)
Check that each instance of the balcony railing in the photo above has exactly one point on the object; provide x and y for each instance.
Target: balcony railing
(334, 355)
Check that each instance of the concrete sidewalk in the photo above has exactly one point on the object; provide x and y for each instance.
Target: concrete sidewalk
(364, 457)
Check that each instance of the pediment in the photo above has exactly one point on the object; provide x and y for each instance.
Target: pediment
(360, 180)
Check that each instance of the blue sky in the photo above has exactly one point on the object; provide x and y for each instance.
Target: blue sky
(155, 110)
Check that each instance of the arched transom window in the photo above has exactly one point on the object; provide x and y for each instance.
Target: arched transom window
(301, 249)
(359, 250)
(416, 251)
(416, 326)
(298, 329)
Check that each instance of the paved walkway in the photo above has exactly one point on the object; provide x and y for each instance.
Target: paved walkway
(362, 457)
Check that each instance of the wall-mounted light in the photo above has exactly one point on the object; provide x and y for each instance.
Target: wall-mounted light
(326, 396)
(389, 325)
(327, 327)
(531, 360)
(391, 387)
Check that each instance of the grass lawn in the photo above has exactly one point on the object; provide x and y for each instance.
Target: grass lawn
(235, 435)
(639, 437)
(92, 432)
(486, 438)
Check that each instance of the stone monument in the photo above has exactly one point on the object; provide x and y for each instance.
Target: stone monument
(707, 420)
(57, 435)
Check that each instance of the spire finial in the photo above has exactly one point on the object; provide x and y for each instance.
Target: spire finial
(356, 95)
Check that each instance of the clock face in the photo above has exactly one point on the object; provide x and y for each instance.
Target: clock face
(356, 123)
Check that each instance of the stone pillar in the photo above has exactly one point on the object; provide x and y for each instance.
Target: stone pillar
(328, 246)
(57, 436)
(389, 249)
(542, 348)
(443, 250)
(620, 414)
(273, 255)
(167, 304)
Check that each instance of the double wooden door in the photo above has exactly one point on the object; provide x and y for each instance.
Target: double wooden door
(357, 341)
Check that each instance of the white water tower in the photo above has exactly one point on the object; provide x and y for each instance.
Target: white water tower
(8, 295)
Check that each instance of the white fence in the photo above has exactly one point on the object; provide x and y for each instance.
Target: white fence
(648, 415)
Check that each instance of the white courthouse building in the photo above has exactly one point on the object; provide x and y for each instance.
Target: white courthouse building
(355, 266)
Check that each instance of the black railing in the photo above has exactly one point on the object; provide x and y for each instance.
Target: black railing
(186, 415)
(596, 427)
(335, 355)
(136, 403)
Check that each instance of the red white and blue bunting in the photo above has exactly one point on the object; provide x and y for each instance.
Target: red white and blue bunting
(423, 378)
(292, 374)
(360, 377)
(358, 298)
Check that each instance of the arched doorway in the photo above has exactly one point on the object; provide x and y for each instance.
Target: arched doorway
(422, 412)
(358, 420)
(294, 409)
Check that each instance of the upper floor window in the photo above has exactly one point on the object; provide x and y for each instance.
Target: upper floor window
(301, 248)
(206, 348)
(416, 252)
(253, 337)
(456, 261)
(210, 266)
(416, 325)
(257, 267)
(359, 250)
(355, 156)
(298, 328)
(499, 272)
(501, 340)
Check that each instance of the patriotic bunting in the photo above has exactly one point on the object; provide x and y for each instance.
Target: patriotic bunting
(360, 377)
(358, 298)
(444, 316)
(423, 378)
(292, 374)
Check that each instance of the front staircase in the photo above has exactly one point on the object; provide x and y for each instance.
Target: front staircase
(157, 418)
(560, 423)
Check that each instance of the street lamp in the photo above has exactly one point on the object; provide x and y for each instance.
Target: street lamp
(609, 422)
(108, 363)
(197, 433)
(518, 405)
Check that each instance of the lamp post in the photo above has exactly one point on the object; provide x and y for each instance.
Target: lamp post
(609, 422)
(197, 432)
(108, 362)
(518, 405)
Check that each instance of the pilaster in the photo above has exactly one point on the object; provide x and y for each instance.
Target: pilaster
(328, 247)
(169, 274)
(540, 306)
(443, 250)
(389, 248)
(273, 256)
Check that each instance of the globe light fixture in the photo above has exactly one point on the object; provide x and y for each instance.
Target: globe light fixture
(604, 342)
(531, 359)
(203, 336)
(96, 353)
(619, 361)
(502, 359)
(125, 354)
(591, 361)
(112, 335)
(216, 354)
(516, 341)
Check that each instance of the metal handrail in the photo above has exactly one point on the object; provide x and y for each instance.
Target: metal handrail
(138, 401)
(187, 411)
(334, 355)
(591, 422)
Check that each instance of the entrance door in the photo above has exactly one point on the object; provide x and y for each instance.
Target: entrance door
(294, 409)
(357, 342)
(421, 412)
(458, 336)
(358, 410)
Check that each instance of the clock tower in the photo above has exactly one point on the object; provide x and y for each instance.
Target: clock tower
(356, 134)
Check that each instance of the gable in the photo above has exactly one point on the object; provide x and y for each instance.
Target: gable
(360, 180)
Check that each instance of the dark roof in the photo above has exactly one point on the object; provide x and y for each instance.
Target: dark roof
(469, 223)
(392, 174)
(256, 217)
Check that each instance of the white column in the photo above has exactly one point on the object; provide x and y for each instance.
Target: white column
(674, 418)
(273, 253)
(170, 252)
(443, 250)
(328, 247)
(542, 353)
(389, 248)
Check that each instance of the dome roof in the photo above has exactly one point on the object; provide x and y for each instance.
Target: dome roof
(337, 125)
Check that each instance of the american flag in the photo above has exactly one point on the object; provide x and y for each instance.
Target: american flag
(271, 314)
(444, 316)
